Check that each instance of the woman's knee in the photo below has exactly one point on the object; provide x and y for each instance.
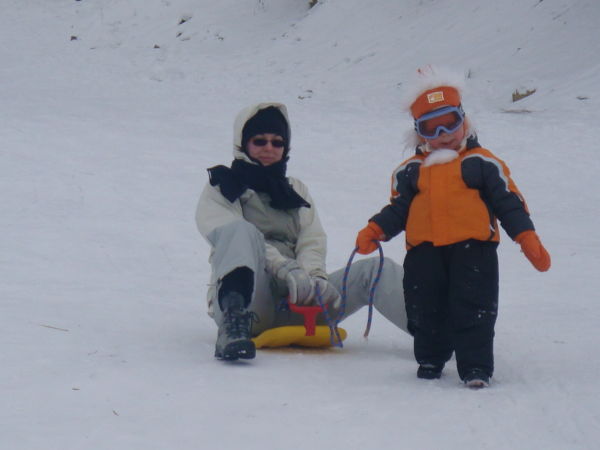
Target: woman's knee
(237, 232)
(241, 227)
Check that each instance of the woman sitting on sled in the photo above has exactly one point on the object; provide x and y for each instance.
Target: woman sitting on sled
(268, 245)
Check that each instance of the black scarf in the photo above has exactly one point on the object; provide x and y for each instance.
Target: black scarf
(268, 179)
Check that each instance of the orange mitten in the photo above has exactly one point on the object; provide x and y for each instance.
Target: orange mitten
(534, 250)
(367, 238)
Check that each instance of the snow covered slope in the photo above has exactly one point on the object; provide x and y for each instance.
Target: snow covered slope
(111, 112)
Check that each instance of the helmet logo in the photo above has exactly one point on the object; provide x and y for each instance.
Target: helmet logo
(435, 97)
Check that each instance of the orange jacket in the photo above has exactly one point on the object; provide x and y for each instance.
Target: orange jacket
(455, 201)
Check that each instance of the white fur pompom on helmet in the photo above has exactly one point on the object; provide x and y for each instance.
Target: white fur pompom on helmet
(432, 87)
(430, 77)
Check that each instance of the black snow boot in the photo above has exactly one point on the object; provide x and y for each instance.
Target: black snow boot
(477, 379)
(429, 371)
(235, 333)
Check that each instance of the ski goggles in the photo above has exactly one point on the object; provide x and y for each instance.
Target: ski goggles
(447, 120)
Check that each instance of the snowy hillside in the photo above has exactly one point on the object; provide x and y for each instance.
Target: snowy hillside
(113, 109)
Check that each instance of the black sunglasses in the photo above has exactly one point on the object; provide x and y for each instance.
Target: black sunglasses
(261, 142)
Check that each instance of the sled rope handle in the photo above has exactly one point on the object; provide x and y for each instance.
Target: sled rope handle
(371, 290)
(334, 333)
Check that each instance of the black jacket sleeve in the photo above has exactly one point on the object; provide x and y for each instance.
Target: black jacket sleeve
(492, 178)
(392, 218)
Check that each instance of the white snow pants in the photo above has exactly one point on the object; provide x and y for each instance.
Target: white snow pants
(241, 244)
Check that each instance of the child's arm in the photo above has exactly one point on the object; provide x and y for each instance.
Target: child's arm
(492, 177)
(391, 220)
(488, 174)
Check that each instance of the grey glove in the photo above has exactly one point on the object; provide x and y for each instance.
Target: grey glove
(300, 284)
(329, 294)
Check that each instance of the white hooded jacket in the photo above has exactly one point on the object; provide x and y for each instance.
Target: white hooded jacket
(296, 233)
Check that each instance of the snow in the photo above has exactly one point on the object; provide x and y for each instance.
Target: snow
(111, 112)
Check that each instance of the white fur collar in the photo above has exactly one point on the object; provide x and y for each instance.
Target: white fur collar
(440, 156)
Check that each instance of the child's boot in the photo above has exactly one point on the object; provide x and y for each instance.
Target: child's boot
(477, 379)
(429, 371)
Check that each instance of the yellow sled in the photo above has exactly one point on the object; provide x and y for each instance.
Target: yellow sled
(295, 335)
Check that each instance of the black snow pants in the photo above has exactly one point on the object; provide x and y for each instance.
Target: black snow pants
(451, 295)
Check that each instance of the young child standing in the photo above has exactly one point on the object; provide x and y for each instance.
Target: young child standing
(447, 198)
